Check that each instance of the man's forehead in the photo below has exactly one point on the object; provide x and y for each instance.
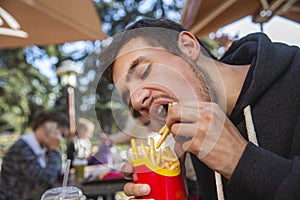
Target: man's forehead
(134, 44)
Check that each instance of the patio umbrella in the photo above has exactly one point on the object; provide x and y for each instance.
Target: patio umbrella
(205, 16)
(42, 22)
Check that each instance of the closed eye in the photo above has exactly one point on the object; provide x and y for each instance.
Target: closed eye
(146, 72)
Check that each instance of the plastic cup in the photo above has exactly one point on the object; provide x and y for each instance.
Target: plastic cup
(165, 184)
(63, 193)
(79, 166)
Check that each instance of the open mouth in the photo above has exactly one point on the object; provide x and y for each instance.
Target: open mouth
(159, 111)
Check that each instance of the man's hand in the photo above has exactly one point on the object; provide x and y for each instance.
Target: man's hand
(132, 189)
(210, 135)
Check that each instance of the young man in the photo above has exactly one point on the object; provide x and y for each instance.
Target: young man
(238, 116)
(33, 163)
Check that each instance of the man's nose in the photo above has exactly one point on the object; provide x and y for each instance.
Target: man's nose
(140, 98)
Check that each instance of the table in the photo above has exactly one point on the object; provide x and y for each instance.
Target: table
(97, 181)
(107, 187)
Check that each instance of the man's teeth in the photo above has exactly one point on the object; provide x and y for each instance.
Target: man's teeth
(160, 108)
(161, 111)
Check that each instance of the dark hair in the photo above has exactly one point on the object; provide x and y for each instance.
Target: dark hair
(165, 24)
(49, 116)
(156, 32)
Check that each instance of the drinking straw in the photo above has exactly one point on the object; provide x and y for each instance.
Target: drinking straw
(66, 173)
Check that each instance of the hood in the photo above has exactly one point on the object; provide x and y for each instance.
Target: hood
(268, 62)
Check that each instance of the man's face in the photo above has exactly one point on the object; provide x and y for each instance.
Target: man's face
(53, 135)
(148, 78)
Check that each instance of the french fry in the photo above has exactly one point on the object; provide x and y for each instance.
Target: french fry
(158, 157)
(152, 150)
(163, 138)
(162, 130)
(134, 149)
(169, 159)
(171, 104)
(148, 151)
(165, 165)
(162, 158)
(168, 151)
(143, 149)
(174, 165)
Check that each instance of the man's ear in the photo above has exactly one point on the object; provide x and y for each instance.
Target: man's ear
(189, 45)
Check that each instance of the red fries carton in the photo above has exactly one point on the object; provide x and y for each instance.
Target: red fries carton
(159, 169)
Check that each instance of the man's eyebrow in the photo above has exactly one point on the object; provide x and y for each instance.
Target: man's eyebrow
(134, 64)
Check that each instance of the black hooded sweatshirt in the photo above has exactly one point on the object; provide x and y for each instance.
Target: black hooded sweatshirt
(272, 89)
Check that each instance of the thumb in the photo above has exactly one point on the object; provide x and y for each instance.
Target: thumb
(186, 145)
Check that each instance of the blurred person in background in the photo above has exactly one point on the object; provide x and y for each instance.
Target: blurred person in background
(81, 148)
(103, 153)
(33, 163)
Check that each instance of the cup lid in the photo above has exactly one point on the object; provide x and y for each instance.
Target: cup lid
(63, 193)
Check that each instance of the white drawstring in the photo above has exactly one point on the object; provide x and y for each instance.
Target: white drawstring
(220, 193)
(250, 125)
(252, 138)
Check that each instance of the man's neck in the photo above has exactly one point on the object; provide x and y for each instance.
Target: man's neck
(234, 78)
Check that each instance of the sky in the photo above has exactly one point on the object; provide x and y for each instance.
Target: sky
(278, 29)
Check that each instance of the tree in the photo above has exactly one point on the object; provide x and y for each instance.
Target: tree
(116, 14)
(23, 90)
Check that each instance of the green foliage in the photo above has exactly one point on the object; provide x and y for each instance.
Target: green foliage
(116, 14)
(23, 90)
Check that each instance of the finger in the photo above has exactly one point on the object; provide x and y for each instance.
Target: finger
(127, 170)
(132, 189)
(182, 139)
(132, 198)
(188, 130)
(191, 104)
(186, 145)
(194, 104)
(184, 114)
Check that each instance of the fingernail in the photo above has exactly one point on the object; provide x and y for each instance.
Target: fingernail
(145, 189)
